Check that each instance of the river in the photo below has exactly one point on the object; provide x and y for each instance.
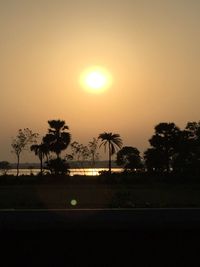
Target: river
(77, 171)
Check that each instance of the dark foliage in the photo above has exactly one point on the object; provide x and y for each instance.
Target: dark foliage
(165, 140)
(57, 138)
(41, 151)
(174, 150)
(187, 159)
(129, 158)
(4, 167)
(58, 166)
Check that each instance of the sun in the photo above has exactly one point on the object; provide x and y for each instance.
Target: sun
(96, 79)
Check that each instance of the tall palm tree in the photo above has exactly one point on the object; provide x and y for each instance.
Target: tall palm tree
(113, 142)
(40, 151)
(57, 138)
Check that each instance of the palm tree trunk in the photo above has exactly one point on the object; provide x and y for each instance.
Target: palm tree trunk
(109, 162)
(41, 166)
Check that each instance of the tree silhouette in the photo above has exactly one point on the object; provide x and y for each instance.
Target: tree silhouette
(4, 167)
(188, 156)
(58, 166)
(165, 141)
(193, 129)
(40, 150)
(80, 154)
(92, 147)
(129, 157)
(57, 138)
(154, 160)
(23, 139)
(113, 142)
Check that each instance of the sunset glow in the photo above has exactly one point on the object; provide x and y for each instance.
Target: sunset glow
(116, 66)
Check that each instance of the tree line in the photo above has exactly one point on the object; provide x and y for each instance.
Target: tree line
(171, 149)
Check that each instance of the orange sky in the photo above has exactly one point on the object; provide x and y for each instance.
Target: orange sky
(151, 49)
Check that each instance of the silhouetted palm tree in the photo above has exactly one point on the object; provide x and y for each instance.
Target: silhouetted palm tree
(113, 142)
(57, 138)
(40, 151)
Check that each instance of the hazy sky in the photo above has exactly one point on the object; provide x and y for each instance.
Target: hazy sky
(151, 48)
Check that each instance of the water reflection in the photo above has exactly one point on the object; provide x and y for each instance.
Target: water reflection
(86, 171)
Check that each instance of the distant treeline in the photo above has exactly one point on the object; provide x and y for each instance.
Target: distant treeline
(171, 150)
(72, 165)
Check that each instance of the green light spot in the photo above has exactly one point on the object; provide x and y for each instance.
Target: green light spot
(73, 202)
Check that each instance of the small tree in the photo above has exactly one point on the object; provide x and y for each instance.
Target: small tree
(4, 167)
(93, 154)
(23, 139)
(80, 153)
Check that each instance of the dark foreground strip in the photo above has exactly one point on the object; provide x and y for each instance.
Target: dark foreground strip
(97, 219)
(140, 237)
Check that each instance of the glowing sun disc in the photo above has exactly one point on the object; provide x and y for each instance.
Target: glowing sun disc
(95, 79)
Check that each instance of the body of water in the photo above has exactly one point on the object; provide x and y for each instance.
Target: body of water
(85, 171)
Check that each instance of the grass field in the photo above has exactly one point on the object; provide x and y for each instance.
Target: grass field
(59, 196)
